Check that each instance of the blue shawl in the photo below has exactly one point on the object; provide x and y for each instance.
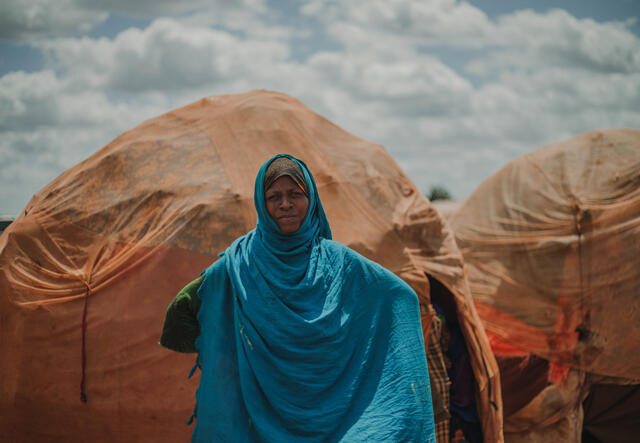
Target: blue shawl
(303, 339)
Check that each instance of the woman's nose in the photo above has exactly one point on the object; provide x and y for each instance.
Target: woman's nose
(285, 203)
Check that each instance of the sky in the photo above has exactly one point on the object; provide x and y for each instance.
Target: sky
(452, 89)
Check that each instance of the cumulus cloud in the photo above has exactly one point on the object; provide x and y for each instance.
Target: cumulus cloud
(434, 22)
(22, 20)
(165, 56)
(528, 40)
(418, 85)
(151, 8)
(27, 101)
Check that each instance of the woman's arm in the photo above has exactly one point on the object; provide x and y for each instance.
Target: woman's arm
(181, 328)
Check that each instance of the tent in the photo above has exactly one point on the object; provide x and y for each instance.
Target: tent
(89, 267)
(551, 243)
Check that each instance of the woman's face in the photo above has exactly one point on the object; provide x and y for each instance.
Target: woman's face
(286, 204)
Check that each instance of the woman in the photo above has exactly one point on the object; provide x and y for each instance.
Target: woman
(299, 337)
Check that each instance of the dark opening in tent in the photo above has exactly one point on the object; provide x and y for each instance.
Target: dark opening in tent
(5, 222)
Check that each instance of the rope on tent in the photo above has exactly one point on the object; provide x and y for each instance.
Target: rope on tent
(83, 394)
(583, 221)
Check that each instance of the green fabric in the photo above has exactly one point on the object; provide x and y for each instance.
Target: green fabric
(181, 328)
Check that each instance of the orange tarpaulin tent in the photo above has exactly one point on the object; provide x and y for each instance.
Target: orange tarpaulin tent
(89, 267)
(552, 247)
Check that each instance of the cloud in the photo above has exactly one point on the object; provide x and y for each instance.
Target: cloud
(529, 40)
(166, 56)
(172, 8)
(23, 20)
(27, 101)
(149, 8)
(449, 22)
(31, 101)
(521, 39)
(417, 85)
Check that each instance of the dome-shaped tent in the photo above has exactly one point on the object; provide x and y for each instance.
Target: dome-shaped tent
(552, 247)
(87, 270)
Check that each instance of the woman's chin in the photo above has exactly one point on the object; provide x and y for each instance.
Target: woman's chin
(289, 228)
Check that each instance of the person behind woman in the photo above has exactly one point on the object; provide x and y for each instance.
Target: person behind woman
(300, 338)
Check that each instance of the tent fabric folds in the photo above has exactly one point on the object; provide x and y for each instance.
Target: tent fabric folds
(551, 246)
(551, 243)
(88, 268)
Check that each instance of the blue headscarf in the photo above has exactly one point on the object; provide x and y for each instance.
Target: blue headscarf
(275, 252)
(303, 339)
